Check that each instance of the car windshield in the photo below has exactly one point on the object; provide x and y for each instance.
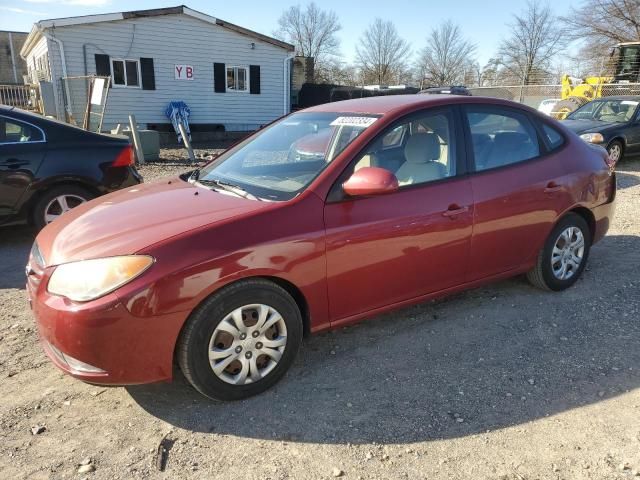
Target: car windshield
(281, 161)
(615, 111)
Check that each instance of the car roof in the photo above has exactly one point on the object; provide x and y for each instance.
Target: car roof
(388, 104)
(20, 113)
(53, 127)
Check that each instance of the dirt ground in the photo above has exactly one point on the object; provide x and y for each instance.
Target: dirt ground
(502, 382)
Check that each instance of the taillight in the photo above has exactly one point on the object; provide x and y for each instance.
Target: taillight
(125, 158)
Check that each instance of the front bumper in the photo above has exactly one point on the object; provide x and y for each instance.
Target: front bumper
(119, 347)
(603, 217)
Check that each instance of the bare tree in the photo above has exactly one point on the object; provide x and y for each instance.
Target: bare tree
(337, 72)
(447, 56)
(604, 23)
(312, 31)
(536, 37)
(382, 54)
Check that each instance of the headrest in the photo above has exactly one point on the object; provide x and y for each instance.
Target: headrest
(422, 147)
(509, 140)
(480, 138)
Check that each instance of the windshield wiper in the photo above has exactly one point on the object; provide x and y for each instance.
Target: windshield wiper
(195, 175)
(229, 187)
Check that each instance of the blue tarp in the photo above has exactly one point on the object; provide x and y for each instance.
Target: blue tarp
(178, 112)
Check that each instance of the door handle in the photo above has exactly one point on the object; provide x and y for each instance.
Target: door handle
(14, 163)
(454, 211)
(553, 187)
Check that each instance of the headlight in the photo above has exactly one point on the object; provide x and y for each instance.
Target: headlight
(36, 255)
(89, 279)
(592, 137)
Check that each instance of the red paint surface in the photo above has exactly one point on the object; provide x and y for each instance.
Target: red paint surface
(370, 181)
(349, 260)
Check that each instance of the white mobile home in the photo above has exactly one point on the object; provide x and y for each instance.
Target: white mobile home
(229, 76)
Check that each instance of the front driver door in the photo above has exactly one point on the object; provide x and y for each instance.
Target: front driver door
(21, 152)
(383, 250)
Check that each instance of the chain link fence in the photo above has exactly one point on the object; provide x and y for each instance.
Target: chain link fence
(85, 100)
(548, 98)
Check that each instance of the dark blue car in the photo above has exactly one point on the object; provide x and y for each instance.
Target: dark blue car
(48, 167)
(613, 122)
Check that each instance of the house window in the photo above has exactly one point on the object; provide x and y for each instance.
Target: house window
(125, 73)
(238, 79)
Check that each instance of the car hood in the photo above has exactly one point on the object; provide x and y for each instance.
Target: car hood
(587, 126)
(127, 221)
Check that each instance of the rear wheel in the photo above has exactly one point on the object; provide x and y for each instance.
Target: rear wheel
(241, 341)
(564, 255)
(56, 202)
(568, 105)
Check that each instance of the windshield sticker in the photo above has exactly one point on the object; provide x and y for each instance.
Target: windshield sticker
(629, 102)
(362, 122)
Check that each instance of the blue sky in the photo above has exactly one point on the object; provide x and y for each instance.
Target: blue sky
(484, 22)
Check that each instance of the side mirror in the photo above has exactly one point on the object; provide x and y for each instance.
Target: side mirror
(370, 181)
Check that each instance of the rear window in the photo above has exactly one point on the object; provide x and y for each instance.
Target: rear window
(501, 137)
(14, 131)
(553, 137)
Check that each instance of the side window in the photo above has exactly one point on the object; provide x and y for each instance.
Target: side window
(237, 79)
(125, 73)
(418, 150)
(501, 137)
(553, 137)
(17, 132)
(393, 139)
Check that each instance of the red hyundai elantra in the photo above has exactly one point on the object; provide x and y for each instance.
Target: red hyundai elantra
(328, 216)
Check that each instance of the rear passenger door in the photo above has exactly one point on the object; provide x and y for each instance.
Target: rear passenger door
(519, 186)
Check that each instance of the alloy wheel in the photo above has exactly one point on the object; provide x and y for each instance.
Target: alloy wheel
(61, 204)
(247, 344)
(568, 253)
(615, 152)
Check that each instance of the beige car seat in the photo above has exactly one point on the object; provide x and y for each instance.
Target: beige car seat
(421, 153)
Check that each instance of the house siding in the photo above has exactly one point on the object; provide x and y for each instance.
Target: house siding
(175, 40)
(43, 47)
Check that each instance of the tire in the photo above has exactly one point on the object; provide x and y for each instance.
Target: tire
(74, 194)
(207, 332)
(615, 149)
(568, 105)
(544, 274)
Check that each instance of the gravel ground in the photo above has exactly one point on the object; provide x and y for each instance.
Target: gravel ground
(502, 382)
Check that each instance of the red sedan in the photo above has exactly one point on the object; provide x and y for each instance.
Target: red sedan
(396, 200)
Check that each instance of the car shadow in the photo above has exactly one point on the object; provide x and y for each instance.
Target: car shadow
(628, 174)
(16, 243)
(486, 359)
(626, 180)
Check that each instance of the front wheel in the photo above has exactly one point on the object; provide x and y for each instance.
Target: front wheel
(241, 341)
(615, 150)
(564, 255)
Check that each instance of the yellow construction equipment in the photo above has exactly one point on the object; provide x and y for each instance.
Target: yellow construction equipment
(578, 91)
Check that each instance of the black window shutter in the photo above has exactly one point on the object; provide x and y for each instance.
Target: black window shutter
(148, 74)
(103, 65)
(219, 78)
(254, 79)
